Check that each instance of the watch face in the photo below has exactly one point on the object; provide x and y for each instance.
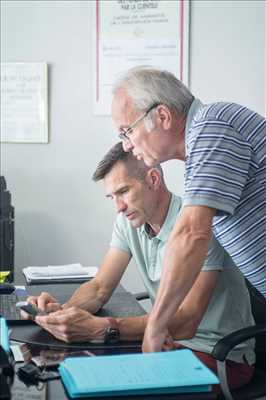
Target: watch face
(111, 335)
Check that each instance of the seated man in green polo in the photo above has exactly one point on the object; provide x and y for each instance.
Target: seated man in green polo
(217, 304)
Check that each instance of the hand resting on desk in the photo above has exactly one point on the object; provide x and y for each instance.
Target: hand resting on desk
(74, 325)
(69, 324)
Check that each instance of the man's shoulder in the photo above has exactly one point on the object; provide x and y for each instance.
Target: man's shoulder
(218, 111)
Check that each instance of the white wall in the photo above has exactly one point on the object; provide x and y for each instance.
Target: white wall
(61, 215)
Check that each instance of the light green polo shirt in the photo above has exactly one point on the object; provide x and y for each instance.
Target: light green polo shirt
(229, 308)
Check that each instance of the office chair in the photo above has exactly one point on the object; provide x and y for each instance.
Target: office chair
(256, 388)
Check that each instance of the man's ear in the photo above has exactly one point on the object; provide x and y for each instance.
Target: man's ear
(164, 117)
(153, 178)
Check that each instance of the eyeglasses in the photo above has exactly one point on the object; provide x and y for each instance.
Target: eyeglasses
(125, 135)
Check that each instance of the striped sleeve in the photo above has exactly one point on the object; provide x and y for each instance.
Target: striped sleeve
(217, 166)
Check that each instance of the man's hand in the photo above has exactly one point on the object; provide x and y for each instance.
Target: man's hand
(45, 302)
(155, 340)
(74, 325)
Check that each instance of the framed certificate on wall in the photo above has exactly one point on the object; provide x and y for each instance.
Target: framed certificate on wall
(129, 33)
(24, 102)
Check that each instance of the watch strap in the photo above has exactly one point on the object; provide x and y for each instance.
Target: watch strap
(112, 333)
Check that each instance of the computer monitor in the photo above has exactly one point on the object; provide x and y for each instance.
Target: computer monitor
(7, 237)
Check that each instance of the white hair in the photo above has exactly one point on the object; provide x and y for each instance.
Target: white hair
(147, 85)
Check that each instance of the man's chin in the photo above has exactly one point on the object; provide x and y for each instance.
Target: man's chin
(136, 223)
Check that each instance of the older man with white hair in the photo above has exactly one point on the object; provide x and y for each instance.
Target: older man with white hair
(223, 146)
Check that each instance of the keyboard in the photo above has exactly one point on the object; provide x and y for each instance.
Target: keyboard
(8, 309)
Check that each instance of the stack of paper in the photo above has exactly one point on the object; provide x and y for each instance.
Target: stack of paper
(177, 371)
(59, 273)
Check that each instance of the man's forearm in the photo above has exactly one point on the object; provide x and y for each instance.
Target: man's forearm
(183, 261)
(89, 296)
(181, 327)
(132, 328)
(92, 295)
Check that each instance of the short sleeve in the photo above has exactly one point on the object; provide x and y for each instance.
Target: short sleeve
(119, 237)
(217, 166)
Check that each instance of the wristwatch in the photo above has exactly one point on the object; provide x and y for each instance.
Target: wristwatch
(112, 333)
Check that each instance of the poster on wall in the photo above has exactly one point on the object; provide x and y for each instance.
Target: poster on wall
(127, 33)
(24, 111)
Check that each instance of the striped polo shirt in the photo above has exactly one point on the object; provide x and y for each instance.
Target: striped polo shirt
(226, 170)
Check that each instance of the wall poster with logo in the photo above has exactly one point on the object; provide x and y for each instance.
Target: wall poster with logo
(127, 33)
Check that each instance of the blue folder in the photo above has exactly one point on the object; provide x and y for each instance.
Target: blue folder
(4, 335)
(178, 371)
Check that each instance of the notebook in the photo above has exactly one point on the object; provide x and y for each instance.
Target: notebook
(4, 338)
(59, 273)
(6, 364)
(178, 371)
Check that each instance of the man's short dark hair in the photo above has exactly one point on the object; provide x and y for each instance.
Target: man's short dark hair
(135, 167)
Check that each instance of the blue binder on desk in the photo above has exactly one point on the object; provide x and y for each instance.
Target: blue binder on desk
(178, 371)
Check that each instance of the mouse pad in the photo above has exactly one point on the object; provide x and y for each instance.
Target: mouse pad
(35, 335)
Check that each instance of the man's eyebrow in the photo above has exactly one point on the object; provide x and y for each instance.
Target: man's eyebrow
(119, 190)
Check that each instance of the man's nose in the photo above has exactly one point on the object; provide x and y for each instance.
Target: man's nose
(127, 145)
(120, 205)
